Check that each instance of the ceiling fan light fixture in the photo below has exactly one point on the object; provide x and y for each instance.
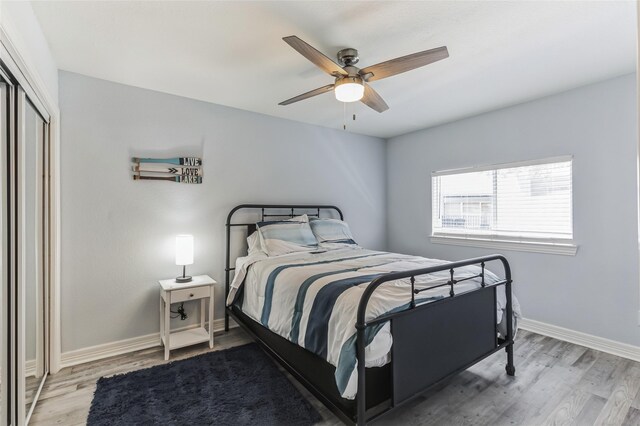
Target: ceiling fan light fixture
(349, 89)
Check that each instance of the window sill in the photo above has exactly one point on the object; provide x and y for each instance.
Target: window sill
(566, 249)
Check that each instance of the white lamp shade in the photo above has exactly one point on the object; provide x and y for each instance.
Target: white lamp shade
(184, 250)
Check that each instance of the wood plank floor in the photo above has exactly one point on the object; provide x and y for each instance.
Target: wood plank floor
(556, 383)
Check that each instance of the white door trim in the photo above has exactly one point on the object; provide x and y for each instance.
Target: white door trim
(43, 100)
(25, 74)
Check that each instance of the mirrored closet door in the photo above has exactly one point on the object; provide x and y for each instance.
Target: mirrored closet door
(25, 249)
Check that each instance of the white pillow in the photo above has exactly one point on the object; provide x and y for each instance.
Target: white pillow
(253, 244)
(287, 236)
(332, 233)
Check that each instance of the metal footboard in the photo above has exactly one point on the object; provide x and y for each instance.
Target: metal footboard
(466, 321)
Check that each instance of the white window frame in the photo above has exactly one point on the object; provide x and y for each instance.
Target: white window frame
(562, 246)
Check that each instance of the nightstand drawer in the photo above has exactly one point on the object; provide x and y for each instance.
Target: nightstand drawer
(189, 294)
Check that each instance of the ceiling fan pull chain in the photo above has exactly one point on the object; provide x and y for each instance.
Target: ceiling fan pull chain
(344, 116)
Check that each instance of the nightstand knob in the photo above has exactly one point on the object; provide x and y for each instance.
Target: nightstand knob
(191, 295)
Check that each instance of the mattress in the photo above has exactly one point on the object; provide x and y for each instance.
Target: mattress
(311, 299)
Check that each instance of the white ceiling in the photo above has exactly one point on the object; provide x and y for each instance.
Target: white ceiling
(231, 53)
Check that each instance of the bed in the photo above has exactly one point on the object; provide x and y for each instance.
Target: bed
(366, 331)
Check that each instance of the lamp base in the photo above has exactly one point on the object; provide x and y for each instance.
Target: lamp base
(183, 279)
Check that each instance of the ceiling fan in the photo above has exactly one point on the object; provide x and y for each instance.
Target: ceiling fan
(351, 82)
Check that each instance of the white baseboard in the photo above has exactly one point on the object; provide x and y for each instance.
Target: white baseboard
(106, 350)
(620, 349)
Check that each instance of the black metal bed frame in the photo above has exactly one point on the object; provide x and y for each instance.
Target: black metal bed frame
(463, 325)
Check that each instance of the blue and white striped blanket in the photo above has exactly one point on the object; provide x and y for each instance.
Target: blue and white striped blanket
(312, 298)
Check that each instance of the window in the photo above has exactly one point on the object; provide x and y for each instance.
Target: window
(522, 206)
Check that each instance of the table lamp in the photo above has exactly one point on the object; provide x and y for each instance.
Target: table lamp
(184, 255)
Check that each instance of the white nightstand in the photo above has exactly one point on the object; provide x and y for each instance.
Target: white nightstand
(201, 287)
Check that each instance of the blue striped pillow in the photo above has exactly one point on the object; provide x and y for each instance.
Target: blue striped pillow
(332, 233)
(287, 236)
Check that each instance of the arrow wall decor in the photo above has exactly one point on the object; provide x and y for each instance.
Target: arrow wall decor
(178, 179)
(178, 161)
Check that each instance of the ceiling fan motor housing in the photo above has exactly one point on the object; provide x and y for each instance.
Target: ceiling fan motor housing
(348, 56)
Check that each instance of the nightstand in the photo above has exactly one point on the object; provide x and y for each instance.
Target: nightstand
(200, 288)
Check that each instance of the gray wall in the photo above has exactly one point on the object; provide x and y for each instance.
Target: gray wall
(118, 235)
(596, 291)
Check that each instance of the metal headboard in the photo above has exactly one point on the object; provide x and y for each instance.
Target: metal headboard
(266, 211)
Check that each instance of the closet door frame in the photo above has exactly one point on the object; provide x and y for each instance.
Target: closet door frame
(7, 358)
(21, 73)
(4, 293)
(19, 229)
(17, 225)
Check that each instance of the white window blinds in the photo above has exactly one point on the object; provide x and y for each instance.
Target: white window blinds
(529, 201)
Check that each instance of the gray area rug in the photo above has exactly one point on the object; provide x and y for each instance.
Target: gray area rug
(237, 386)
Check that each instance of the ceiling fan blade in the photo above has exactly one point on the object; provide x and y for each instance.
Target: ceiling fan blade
(404, 63)
(312, 93)
(373, 100)
(312, 54)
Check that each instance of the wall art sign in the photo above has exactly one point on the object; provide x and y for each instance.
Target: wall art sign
(177, 169)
